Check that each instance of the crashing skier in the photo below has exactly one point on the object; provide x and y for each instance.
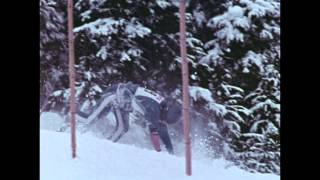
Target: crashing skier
(157, 111)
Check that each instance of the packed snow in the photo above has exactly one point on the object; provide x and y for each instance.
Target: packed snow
(51, 121)
(100, 159)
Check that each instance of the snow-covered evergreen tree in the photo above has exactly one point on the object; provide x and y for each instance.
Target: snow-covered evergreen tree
(243, 52)
(53, 50)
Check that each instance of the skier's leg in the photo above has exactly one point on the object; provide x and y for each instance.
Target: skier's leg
(125, 119)
(100, 107)
(152, 116)
(117, 125)
(81, 116)
(165, 138)
(154, 136)
(120, 130)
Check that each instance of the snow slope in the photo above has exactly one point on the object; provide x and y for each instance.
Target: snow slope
(100, 159)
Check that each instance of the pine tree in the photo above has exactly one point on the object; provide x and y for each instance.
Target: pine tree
(244, 56)
(53, 54)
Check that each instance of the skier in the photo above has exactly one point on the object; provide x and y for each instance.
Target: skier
(157, 111)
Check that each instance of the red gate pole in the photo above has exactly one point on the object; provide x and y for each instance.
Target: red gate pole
(185, 87)
(72, 78)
